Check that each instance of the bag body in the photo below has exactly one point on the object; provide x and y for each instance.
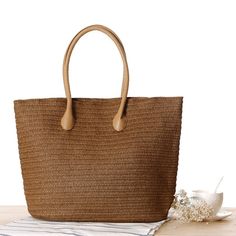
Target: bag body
(111, 160)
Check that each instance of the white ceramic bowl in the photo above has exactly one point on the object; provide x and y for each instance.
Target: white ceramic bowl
(214, 200)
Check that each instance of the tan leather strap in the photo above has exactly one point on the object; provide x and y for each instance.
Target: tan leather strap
(119, 121)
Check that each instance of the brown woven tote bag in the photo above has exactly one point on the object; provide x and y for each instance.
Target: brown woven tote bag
(86, 159)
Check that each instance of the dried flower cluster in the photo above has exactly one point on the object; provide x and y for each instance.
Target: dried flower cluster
(190, 209)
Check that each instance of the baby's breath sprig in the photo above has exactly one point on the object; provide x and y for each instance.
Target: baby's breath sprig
(190, 209)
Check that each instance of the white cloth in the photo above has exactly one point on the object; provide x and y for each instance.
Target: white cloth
(35, 227)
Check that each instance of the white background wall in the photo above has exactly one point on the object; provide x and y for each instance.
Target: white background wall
(173, 47)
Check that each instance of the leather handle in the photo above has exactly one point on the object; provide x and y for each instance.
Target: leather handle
(119, 121)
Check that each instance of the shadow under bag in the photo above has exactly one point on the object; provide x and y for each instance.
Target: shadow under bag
(86, 159)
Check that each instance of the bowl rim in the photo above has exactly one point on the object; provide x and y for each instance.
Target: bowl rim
(206, 192)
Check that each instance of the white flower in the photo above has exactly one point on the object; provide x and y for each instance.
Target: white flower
(190, 209)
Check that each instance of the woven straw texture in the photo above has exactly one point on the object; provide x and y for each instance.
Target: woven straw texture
(93, 172)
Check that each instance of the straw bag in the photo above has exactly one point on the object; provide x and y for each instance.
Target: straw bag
(86, 159)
